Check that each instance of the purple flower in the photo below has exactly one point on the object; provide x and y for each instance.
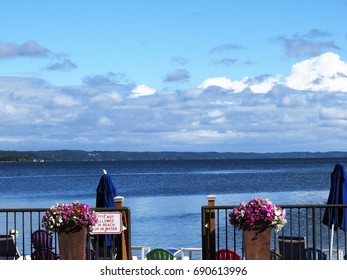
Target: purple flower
(73, 216)
(257, 214)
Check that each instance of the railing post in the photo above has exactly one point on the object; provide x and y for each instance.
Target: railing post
(314, 238)
(123, 240)
(209, 233)
(119, 201)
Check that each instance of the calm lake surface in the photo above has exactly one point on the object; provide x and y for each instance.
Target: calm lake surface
(165, 197)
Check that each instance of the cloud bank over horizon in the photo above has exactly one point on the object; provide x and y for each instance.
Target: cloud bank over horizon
(305, 111)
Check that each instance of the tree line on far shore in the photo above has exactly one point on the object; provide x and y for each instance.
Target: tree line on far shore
(79, 155)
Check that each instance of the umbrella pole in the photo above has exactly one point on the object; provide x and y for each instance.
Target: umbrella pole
(331, 242)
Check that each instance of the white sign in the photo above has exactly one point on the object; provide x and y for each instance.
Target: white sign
(108, 223)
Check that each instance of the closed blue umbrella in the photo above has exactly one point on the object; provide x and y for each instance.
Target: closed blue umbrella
(338, 195)
(105, 193)
(336, 218)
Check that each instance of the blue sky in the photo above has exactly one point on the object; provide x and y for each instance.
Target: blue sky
(236, 76)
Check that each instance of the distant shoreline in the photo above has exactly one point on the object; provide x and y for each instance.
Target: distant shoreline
(80, 155)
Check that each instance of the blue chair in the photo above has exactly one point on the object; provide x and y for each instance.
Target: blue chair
(274, 255)
(292, 247)
(174, 251)
(8, 248)
(319, 254)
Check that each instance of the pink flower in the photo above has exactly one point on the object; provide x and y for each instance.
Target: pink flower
(257, 214)
(73, 216)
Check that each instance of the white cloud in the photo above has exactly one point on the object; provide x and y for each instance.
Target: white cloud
(262, 86)
(238, 86)
(218, 121)
(215, 114)
(194, 135)
(81, 140)
(104, 121)
(217, 117)
(221, 82)
(65, 101)
(326, 72)
(12, 113)
(9, 110)
(13, 140)
(107, 99)
(193, 93)
(142, 90)
(291, 100)
(333, 113)
(195, 123)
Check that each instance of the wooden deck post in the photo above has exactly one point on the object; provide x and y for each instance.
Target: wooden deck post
(123, 243)
(209, 226)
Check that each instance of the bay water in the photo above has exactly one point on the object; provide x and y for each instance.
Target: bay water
(165, 197)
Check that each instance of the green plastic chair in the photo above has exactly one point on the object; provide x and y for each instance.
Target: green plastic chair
(159, 254)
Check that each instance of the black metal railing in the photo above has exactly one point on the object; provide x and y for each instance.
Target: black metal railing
(18, 224)
(304, 221)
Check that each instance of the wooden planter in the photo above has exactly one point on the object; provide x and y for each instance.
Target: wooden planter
(257, 244)
(72, 245)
